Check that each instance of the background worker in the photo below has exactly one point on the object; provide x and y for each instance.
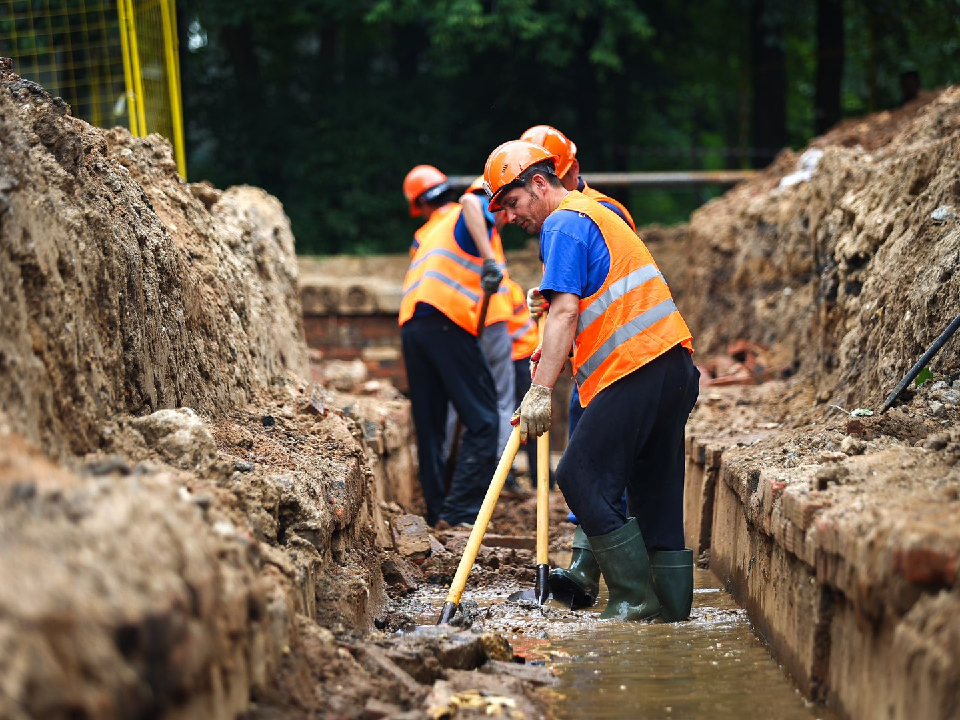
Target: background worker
(495, 342)
(439, 313)
(568, 167)
(638, 384)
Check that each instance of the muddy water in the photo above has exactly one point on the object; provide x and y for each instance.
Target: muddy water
(713, 666)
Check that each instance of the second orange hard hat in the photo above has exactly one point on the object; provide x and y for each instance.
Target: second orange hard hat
(556, 142)
(507, 162)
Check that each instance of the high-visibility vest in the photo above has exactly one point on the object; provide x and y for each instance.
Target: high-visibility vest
(524, 337)
(600, 197)
(631, 319)
(446, 277)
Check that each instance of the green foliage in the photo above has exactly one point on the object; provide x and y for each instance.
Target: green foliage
(328, 104)
(922, 377)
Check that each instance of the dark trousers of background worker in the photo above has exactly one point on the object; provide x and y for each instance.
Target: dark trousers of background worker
(631, 436)
(444, 363)
(522, 371)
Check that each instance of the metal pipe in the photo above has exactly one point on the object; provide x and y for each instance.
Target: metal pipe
(680, 178)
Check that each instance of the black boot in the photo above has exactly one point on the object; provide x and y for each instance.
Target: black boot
(579, 584)
(673, 582)
(623, 560)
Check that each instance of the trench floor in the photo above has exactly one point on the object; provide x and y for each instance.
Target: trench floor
(713, 665)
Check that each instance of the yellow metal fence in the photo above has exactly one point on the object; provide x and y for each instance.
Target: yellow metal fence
(114, 61)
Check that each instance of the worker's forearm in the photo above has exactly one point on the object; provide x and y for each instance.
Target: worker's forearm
(558, 335)
(477, 225)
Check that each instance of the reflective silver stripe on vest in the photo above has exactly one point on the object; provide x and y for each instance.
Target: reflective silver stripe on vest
(522, 331)
(616, 290)
(451, 255)
(445, 280)
(623, 333)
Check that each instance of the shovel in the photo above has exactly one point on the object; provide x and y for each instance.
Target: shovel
(479, 528)
(541, 591)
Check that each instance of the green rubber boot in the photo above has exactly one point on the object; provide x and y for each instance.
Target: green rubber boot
(579, 584)
(673, 582)
(626, 569)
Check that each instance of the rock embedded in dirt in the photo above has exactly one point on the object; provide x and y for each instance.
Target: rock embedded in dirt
(538, 675)
(496, 647)
(180, 436)
(852, 446)
(402, 576)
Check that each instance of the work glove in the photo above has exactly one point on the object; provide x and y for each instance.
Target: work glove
(490, 276)
(536, 303)
(534, 413)
(534, 359)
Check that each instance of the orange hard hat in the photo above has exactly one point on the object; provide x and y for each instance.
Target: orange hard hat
(421, 180)
(556, 142)
(507, 162)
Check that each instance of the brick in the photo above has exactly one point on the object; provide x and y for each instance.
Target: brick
(926, 566)
(801, 508)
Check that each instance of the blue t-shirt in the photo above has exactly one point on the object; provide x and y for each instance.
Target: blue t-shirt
(575, 257)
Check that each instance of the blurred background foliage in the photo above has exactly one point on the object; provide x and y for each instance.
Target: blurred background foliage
(327, 104)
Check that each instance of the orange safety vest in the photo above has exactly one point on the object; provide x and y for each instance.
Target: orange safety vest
(632, 318)
(521, 326)
(444, 276)
(599, 196)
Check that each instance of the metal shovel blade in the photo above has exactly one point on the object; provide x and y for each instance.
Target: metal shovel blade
(539, 594)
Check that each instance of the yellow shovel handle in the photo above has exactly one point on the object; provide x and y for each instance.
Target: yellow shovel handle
(543, 483)
(483, 518)
(543, 499)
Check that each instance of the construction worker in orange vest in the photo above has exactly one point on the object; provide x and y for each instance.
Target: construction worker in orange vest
(453, 266)
(637, 382)
(568, 170)
(495, 342)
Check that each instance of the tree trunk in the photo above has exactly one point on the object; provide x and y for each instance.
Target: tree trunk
(769, 128)
(830, 51)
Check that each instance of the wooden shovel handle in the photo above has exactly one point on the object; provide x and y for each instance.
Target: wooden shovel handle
(483, 518)
(543, 485)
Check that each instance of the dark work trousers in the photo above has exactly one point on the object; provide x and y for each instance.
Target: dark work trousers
(630, 437)
(522, 372)
(573, 418)
(444, 363)
(575, 411)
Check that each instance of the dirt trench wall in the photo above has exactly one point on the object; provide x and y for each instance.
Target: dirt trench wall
(852, 273)
(124, 289)
(182, 515)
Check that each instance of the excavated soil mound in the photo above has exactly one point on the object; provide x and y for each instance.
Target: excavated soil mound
(187, 527)
(850, 274)
(124, 289)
